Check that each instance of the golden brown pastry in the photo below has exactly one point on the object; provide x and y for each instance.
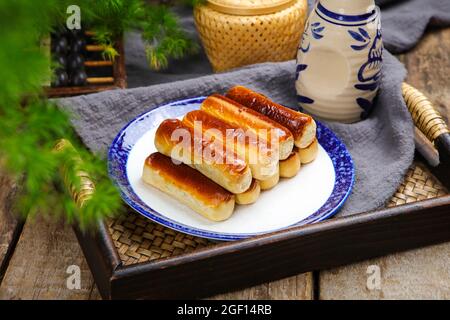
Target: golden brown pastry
(251, 195)
(232, 112)
(270, 182)
(188, 186)
(262, 160)
(291, 166)
(302, 126)
(309, 153)
(178, 141)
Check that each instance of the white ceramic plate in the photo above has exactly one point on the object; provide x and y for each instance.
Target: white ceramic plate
(317, 192)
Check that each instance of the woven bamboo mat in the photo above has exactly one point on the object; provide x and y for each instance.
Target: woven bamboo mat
(138, 239)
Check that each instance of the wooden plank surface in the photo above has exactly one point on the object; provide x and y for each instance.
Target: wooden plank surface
(299, 287)
(10, 226)
(39, 265)
(429, 69)
(417, 274)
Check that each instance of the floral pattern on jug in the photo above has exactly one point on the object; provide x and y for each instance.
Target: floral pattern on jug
(316, 31)
(370, 72)
(339, 60)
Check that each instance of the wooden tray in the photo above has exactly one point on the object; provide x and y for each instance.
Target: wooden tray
(118, 74)
(132, 257)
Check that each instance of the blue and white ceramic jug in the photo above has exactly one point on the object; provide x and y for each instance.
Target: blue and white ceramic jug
(339, 60)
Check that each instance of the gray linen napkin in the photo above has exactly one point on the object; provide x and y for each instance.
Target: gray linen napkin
(404, 22)
(382, 146)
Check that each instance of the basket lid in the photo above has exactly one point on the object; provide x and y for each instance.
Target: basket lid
(249, 7)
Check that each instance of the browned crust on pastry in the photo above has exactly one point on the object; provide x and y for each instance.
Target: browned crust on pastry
(290, 166)
(229, 162)
(309, 153)
(208, 122)
(239, 115)
(250, 195)
(292, 120)
(253, 186)
(188, 179)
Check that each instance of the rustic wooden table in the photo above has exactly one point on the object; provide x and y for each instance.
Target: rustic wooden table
(35, 255)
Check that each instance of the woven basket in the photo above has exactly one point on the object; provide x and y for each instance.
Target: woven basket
(138, 239)
(235, 33)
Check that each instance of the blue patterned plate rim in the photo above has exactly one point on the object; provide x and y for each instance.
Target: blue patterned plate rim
(334, 147)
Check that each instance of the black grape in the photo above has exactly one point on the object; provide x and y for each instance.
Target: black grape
(78, 78)
(75, 62)
(60, 45)
(60, 79)
(77, 45)
(61, 60)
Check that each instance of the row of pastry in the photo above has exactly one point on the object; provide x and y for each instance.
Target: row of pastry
(228, 151)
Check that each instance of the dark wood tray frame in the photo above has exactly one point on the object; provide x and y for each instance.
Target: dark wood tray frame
(234, 265)
(119, 75)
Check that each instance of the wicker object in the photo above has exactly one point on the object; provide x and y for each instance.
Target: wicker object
(423, 113)
(86, 188)
(236, 33)
(138, 239)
